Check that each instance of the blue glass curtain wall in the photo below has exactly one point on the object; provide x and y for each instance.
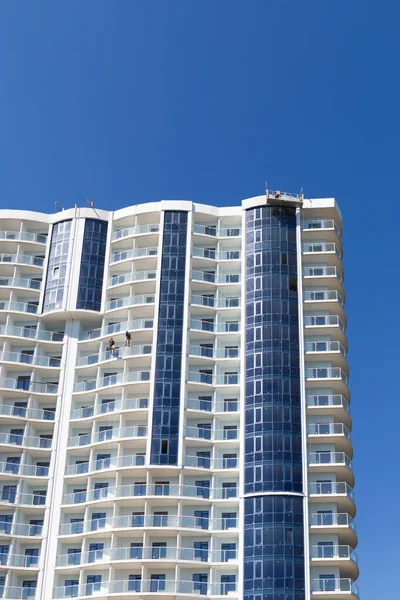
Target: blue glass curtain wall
(273, 436)
(92, 265)
(167, 384)
(57, 266)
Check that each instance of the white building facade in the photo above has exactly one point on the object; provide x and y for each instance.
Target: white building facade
(208, 455)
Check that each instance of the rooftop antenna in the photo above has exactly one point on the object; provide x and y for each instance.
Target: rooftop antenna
(58, 206)
(301, 195)
(90, 202)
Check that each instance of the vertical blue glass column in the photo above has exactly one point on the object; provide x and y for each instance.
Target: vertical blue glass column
(274, 566)
(92, 265)
(167, 384)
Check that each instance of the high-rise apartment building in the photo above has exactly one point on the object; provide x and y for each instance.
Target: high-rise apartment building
(208, 452)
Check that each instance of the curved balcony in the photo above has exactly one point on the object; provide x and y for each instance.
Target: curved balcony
(132, 254)
(22, 259)
(30, 359)
(213, 278)
(134, 277)
(149, 587)
(14, 497)
(231, 254)
(134, 522)
(204, 462)
(12, 469)
(211, 302)
(19, 561)
(133, 431)
(203, 405)
(33, 334)
(116, 406)
(224, 379)
(320, 226)
(128, 462)
(322, 251)
(31, 387)
(22, 236)
(21, 412)
(323, 324)
(131, 231)
(333, 376)
(215, 435)
(335, 404)
(21, 529)
(134, 377)
(151, 553)
(338, 492)
(214, 353)
(130, 301)
(340, 524)
(26, 441)
(17, 592)
(129, 493)
(212, 231)
(329, 300)
(116, 328)
(323, 275)
(21, 282)
(328, 350)
(125, 352)
(331, 462)
(232, 327)
(336, 556)
(23, 307)
(326, 433)
(339, 589)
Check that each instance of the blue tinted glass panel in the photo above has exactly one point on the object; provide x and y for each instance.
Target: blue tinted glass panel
(57, 266)
(166, 407)
(92, 265)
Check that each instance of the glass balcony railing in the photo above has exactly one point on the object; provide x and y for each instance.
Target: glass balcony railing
(124, 352)
(131, 277)
(28, 386)
(19, 560)
(322, 296)
(19, 593)
(139, 230)
(324, 321)
(21, 529)
(222, 278)
(130, 301)
(206, 404)
(329, 458)
(209, 379)
(328, 346)
(130, 254)
(207, 462)
(215, 353)
(151, 520)
(29, 284)
(109, 380)
(322, 401)
(31, 333)
(324, 247)
(330, 488)
(328, 429)
(332, 586)
(24, 307)
(216, 254)
(320, 224)
(8, 410)
(11, 495)
(331, 520)
(110, 407)
(30, 359)
(23, 259)
(333, 552)
(133, 431)
(8, 468)
(212, 302)
(204, 433)
(213, 231)
(143, 490)
(23, 236)
(115, 328)
(134, 460)
(28, 441)
(212, 327)
(322, 271)
(326, 373)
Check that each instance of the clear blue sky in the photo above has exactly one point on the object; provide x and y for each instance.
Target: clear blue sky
(128, 101)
